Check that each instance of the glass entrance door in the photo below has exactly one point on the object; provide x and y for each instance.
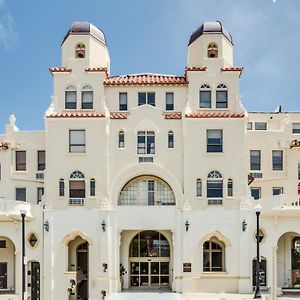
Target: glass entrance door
(150, 274)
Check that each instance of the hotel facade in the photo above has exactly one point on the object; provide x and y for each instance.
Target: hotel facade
(149, 180)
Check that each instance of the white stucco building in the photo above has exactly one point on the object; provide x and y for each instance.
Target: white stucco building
(150, 172)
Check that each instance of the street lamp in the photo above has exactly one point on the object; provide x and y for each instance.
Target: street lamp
(23, 215)
(257, 293)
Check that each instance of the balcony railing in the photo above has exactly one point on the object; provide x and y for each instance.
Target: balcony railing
(147, 198)
(76, 201)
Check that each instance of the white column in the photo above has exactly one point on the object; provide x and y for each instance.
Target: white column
(274, 274)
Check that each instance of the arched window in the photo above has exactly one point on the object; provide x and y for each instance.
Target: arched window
(212, 50)
(61, 188)
(213, 256)
(77, 185)
(70, 97)
(199, 187)
(87, 97)
(92, 187)
(221, 96)
(230, 188)
(214, 188)
(205, 96)
(170, 139)
(80, 50)
(121, 139)
(146, 190)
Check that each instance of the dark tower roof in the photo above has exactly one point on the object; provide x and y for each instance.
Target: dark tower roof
(209, 28)
(85, 28)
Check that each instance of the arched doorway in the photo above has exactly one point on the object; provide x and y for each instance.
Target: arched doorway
(149, 260)
(78, 259)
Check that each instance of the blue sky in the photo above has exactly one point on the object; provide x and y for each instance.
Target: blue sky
(147, 36)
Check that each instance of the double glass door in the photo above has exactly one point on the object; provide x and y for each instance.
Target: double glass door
(150, 273)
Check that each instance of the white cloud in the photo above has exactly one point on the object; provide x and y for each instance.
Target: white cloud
(7, 32)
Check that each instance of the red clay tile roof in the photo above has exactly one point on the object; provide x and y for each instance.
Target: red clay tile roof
(60, 70)
(200, 114)
(233, 69)
(118, 115)
(174, 115)
(96, 70)
(295, 144)
(201, 69)
(77, 115)
(146, 79)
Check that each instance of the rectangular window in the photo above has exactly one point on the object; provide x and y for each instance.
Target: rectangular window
(121, 139)
(221, 100)
(214, 189)
(249, 126)
(40, 193)
(61, 188)
(2, 243)
(170, 140)
(146, 98)
(277, 191)
(169, 101)
(70, 99)
(214, 140)
(92, 188)
(298, 171)
(255, 160)
(260, 125)
(87, 99)
(21, 194)
(122, 101)
(277, 160)
(256, 192)
(146, 142)
(230, 188)
(199, 188)
(77, 189)
(0, 173)
(77, 141)
(41, 160)
(296, 127)
(205, 99)
(20, 160)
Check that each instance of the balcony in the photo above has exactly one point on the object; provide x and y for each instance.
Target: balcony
(10, 210)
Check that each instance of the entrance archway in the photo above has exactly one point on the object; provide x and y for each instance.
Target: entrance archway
(149, 260)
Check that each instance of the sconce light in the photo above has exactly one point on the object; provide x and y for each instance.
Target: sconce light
(46, 225)
(103, 294)
(187, 225)
(103, 224)
(244, 225)
(104, 266)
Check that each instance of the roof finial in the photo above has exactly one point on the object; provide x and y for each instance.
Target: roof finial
(12, 119)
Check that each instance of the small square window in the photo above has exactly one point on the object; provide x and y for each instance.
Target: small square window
(277, 191)
(21, 194)
(2, 243)
(296, 128)
(146, 98)
(249, 126)
(256, 193)
(260, 125)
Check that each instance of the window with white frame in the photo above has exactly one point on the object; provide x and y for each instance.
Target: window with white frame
(277, 160)
(70, 97)
(198, 187)
(123, 101)
(20, 160)
(214, 140)
(260, 125)
(77, 141)
(92, 187)
(230, 188)
(213, 255)
(77, 185)
(21, 194)
(169, 101)
(146, 142)
(61, 188)
(170, 139)
(256, 193)
(87, 96)
(255, 162)
(41, 160)
(205, 96)
(40, 193)
(249, 125)
(214, 187)
(146, 98)
(277, 191)
(221, 96)
(121, 141)
(296, 128)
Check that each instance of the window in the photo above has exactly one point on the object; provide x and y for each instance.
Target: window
(214, 140)
(256, 192)
(146, 98)
(61, 188)
(77, 185)
(40, 193)
(212, 50)
(121, 139)
(77, 141)
(20, 160)
(0, 173)
(221, 96)
(122, 101)
(205, 96)
(249, 125)
(230, 188)
(80, 50)
(2, 243)
(277, 160)
(146, 142)
(87, 97)
(277, 191)
(199, 187)
(260, 125)
(213, 255)
(170, 139)
(298, 171)
(41, 161)
(21, 194)
(214, 187)
(296, 127)
(254, 160)
(92, 187)
(169, 101)
(70, 97)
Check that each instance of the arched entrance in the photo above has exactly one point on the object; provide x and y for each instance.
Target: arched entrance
(78, 258)
(149, 260)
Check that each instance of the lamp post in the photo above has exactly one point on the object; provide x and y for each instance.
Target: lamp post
(257, 293)
(23, 215)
